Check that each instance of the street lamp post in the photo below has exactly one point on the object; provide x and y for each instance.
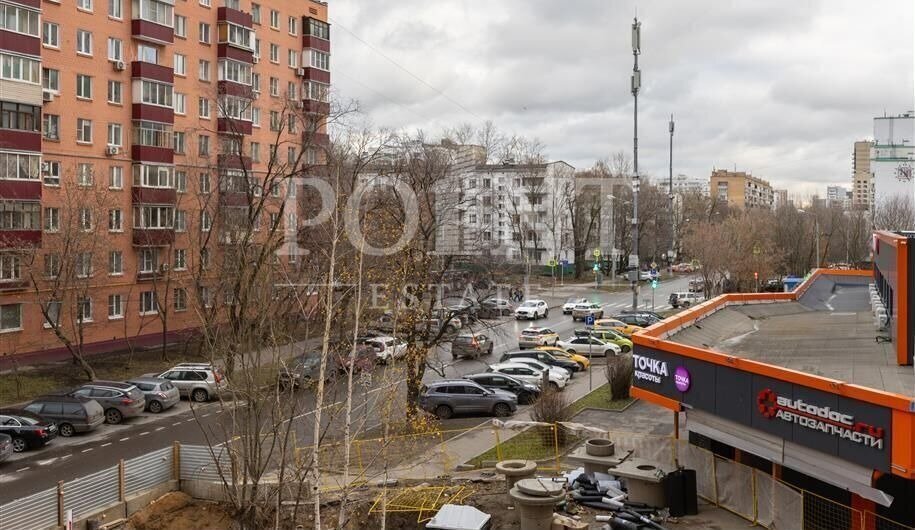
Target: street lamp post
(636, 83)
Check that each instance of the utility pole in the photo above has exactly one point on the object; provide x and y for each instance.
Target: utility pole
(670, 196)
(636, 83)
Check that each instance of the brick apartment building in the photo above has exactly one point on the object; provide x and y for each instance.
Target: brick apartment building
(130, 135)
(741, 189)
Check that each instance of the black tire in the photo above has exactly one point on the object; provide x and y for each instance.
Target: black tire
(443, 412)
(200, 395)
(685, 305)
(581, 367)
(571, 351)
(490, 350)
(625, 348)
(154, 406)
(546, 314)
(113, 416)
(66, 430)
(501, 410)
(19, 444)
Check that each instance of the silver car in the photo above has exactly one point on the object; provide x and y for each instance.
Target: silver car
(199, 382)
(160, 394)
(120, 400)
(6, 447)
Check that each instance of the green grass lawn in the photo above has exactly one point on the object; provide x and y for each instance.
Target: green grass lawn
(599, 398)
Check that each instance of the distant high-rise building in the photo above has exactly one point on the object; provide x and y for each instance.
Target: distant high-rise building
(893, 157)
(740, 189)
(779, 198)
(862, 188)
(836, 196)
(688, 184)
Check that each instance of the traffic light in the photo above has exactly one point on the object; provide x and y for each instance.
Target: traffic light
(755, 275)
(654, 284)
(596, 267)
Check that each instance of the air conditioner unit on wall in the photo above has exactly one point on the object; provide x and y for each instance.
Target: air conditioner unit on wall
(119, 65)
(300, 72)
(47, 95)
(256, 59)
(112, 150)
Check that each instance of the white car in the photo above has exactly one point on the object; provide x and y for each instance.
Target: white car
(532, 310)
(571, 303)
(387, 348)
(537, 364)
(582, 345)
(528, 374)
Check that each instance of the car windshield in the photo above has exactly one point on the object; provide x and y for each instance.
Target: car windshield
(531, 332)
(529, 304)
(582, 306)
(574, 301)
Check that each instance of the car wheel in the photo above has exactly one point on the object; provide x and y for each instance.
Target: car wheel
(581, 367)
(443, 412)
(502, 410)
(113, 416)
(685, 305)
(546, 314)
(608, 353)
(490, 350)
(19, 445)
(66, 430)
(555, 386)
(200, 395)
(454, 356)
(625, 348)
(570, 350)
(155, 407)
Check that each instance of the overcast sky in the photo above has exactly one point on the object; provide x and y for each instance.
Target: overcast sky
(781, 88)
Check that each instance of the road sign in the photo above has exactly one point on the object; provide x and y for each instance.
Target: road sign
(565, 263)
(552, 263)
(654, 266)
(596, 253)
(652, 274)
(633, 260)
(589, 320)
(654, 284)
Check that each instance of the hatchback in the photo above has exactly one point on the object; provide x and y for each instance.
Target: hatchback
(471, 345)
(159, 393)
(120, 400)
(447, 397)
(72, 414)
(27, 430)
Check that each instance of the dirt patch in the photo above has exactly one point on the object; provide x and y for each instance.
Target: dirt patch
(178, 511)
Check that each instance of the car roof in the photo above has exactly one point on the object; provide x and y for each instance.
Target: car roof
(61, 398)
(513, 364)
(20, 412)
(536, 329)
(111, 384)
(147, 379)
(441, 382)
(200, 366)
(534, 300)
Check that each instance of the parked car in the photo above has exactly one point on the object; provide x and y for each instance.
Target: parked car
(684, 299)
(159, 393)
(621, 327)
(544, 357)
(651, 314)
(608, 335)
(696, 285)
(634, 319)
(527, 393)
(386, 348)
(528, 374)
(583, 311)
(585, 345)
(120, 400)
(556, 351)
(72, 414)
(342, 357)
(300, 370)
(26, 429)
(644, 276)
(571, 303)
(199, 382)
(540, 365)
(447, 397)
(473, 345)
(495, 307)
(534, 336)
(532, 310)
(6, 447)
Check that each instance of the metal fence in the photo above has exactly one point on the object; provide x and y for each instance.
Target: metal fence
(148, 471)
(38, 510)
(201, 462)
(87, 494)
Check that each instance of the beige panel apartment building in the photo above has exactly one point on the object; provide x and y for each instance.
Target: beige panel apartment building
(740, 189)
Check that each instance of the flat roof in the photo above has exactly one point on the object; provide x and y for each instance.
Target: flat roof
(829, 331)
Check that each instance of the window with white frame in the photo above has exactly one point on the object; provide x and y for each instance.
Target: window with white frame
(320, 60)
(291, 123)
(181, 181)
(85, 5)
(236, 35)
(290, 155)
(256, 13)
(154, 11)
(274, 86)
(235, 71)
(115, 263)
(115, 306)
(19, 19)
(51, 219)
(147, 53)
(18, 68)
(317, 28)
(203, 107)
(181, 26)
(84, 173)
(85, 219)
(50, 126)
(206, 296)
(116, 177)
(148, 260)
(204, 181)
(179, 142)
(50, 79)
(83, 42)
(203, 31)
(52, 265)
(10, 317)
(235, 108)
(153, 217)
(203, 145)
(180, 221)
(50, 32)
(115, 92)
(149, 305)
(256, 116)
(50, 172)
(20, 215)
(9, 267)
(275, 122)
(155, 93)
(180, 103)
(83, 130)
(116, 9)
(316, 91)
(84, 264)
(255, 152)
(293, 26)
(274, 53)
(84, 309)
(115, 220)
(115, 49)
(292, 58)
(115, 134)
(179, 295)
(52, 313)
(206, 223)
(151, 176)
(83, 86)
(255, 82)
(180, 259)
(274, 19)
(291, 90)
(19, 166)
(179, 63)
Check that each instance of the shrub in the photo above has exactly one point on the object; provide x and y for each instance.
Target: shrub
(619, 374)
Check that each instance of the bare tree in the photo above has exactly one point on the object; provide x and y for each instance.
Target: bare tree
(894, 213)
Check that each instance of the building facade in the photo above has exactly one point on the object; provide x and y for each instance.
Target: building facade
(893, 158)
(779, 198)
(688, 184)
(740, 189)
(838, 196)
(132, 133)
(862, 178)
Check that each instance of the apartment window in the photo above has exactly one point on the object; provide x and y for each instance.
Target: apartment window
(19, 20)
(274, 53)
(205, 3)
(230, 146)
(273, 148)
(257, 47)
(255, 152)
(10, 317)
(320, 60)
(152, 134)
(292, 58)
(290, 90)
(255, 82)
(290, 155)
(203, 29)
(153, 217)
(235, 35)
(51, 219)
(206, 295)
(274, 189)
(84, 174)
(115, 220)
(83, 86)
(50, 33)
(319, 29)
(115, 134)
(235, 71)
(20, 167)
(115, 306)
(50, 126)
(180, 259)
(178, 146)
(235, 107)
(115, 263)
(180, 103)
(50, 79)
(84, 264)
(50, 172)
(311, 156)
(180, 64)
(52, 314)
(150, 176)
(315, 91)
(154, 93)
(180, 221)
(17, 68)
(181, 181)
(204, 183)
(19, 116)
(179, 295)
(115, 9)
(293, 26)
(83, 130)
(291, 123)
(255, 116)
(83, 309)
(115, 49)
(275, 123)
(203, 106)
(116, 177)
(203, 145)
(256, 13)
(115, 92)
(161, 13)
(83, 42)
(9, 267)
(85, 5)
(274, 19)
(148, 303)
(274, 86)
(85, 219)
(206, 223)
(147, 53)
(52, 265)
(181, 26)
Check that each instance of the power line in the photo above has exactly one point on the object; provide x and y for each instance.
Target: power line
(386, 97)
(411, 74)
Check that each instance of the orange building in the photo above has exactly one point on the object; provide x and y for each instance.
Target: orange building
(125, 127)
(740, 189)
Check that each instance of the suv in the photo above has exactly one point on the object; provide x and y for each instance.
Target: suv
(71, 414)
(120, 400)
(533, 337)
(532, 310)
(542, 356)
(527, 393)
(471, 345)
(495, 308)
(27, 430)
(159, 393)
(571, 303)
(197, 381)
(583, 311)
(445, 398)
(684, 299)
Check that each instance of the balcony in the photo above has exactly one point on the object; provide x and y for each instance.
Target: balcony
(227, 14)
(18, 140)
(233, 162)
(141, 111)
(158, 237)
(316, 74)
(10, 239)
(231, 88)
(234, 198)
(316, 107)
(20, 43)
(22, 190)
(151, 32)
(153, 72)
(147, 153)
(310, 41)
(225, 50)
(233, 126)
(318, 138)
(142, 195)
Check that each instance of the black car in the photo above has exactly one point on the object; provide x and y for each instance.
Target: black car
(636, 319)
(544, 357)
(650, 314)
(526, 392)
(26, 429)
(301, 370)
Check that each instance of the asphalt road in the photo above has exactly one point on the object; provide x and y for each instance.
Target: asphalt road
(69, 458)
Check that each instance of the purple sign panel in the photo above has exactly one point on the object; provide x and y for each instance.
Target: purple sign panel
(681, 379)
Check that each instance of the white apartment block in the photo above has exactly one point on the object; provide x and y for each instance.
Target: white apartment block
(683, 184)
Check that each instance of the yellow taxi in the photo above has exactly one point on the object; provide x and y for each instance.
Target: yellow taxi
(616, 325)
(556, 351)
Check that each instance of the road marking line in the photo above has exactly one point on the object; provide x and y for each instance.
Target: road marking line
(159, 429)
(106, 445)
(176, 423)
(21, 470)
(190, 420)
(124, 439)
(219, 411)
(65, 457)
(204, 416)
(86, 450)
(144, 433)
